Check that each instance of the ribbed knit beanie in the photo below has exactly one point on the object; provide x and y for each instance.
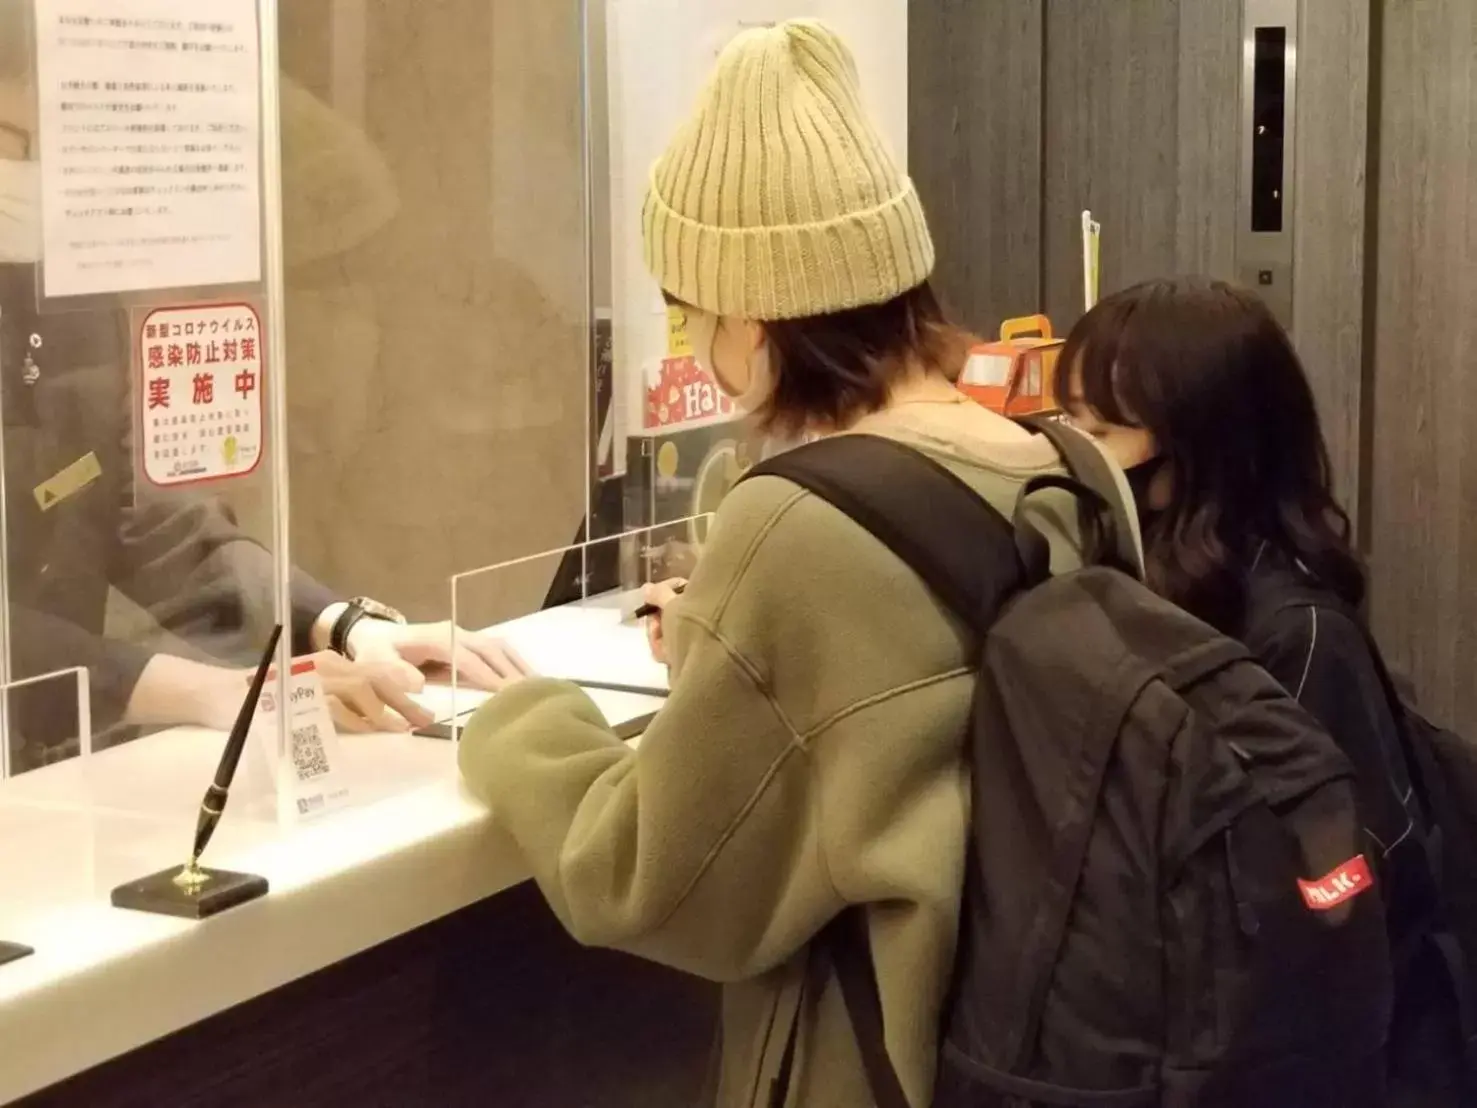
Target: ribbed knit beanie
(779, 199)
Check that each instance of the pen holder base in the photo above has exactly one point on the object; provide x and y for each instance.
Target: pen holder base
(215, 891)
(12, 952)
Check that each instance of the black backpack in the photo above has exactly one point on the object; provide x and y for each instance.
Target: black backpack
(1443, 767)
(1443, 770)
(1165, 903)
(1427, 812)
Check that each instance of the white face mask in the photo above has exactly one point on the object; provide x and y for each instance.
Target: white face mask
(702, 333)
(20, 212)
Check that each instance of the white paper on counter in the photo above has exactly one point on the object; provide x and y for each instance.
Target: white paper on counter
(582, 644)
(150, 144)
(438, 700)
(617, 707)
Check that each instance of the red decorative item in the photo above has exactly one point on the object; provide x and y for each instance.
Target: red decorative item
(1017, 375)
(683, 394)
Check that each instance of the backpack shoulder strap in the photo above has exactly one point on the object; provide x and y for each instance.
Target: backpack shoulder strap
(1091, 467)
(961, 547)
(966, 553)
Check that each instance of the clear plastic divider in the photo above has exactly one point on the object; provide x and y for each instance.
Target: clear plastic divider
(21, 702)
(571, 614)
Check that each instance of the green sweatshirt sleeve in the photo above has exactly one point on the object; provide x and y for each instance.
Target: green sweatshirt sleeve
(699, 850)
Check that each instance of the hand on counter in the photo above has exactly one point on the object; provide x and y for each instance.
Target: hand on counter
(362, 696)
(369, 696)
(659, 595)
(480, 661)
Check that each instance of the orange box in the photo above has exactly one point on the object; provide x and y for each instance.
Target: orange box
(1017, 375)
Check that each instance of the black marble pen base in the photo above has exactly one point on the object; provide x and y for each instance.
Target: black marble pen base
(13, 952)
(219, 891)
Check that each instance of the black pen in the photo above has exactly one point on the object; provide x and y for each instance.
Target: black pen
(633, 690)
(646, 611)
(214, 803)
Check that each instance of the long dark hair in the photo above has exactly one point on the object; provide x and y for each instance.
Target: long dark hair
(1206, 369)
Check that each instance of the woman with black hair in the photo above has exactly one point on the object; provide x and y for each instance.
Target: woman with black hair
(1195, 389)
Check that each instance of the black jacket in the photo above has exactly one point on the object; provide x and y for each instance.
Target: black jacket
(1306, 638)
(1312, 643)
(179, 556)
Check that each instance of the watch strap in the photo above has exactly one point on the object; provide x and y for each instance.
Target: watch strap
(338, 637)
(356, 610)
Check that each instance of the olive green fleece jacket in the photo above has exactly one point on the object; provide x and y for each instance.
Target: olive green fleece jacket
(810, 757)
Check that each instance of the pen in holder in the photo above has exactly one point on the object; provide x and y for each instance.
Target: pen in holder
(193, 891)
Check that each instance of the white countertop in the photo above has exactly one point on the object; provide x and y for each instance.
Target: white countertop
(410, 848)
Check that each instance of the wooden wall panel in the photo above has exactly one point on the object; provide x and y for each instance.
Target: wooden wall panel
(1112, 122)
(1329, 193)
(1140, 124)
(1209, 137)
(1424, 451)
(975, 150)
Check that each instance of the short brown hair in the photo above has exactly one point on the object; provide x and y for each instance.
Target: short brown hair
(834, 369)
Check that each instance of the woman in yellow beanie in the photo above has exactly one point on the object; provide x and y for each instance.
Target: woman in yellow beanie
(810, 756)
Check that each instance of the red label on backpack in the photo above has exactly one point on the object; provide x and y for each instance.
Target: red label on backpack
(1344, 883)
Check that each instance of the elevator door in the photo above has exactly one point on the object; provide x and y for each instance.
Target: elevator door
(1025, 114)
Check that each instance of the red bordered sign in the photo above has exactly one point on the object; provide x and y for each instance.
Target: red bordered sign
(201, 393)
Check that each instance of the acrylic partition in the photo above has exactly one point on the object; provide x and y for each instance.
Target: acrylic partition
(142, 463)
(436, 214)
(140, 356)
(595, 639)
(69, 687)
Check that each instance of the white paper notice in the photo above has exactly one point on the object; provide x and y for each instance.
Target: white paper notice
(200, 393)
(150, 129)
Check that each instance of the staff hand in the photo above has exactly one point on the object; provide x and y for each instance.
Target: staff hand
(479, 661)
(367, 696)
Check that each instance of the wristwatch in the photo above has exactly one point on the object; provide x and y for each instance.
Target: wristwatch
(361, 607)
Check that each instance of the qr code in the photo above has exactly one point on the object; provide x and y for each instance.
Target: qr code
(308, 756)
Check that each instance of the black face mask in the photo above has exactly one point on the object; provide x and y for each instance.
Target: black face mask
(1140, 481)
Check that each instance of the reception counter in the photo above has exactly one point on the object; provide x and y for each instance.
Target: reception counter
(411, 863)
